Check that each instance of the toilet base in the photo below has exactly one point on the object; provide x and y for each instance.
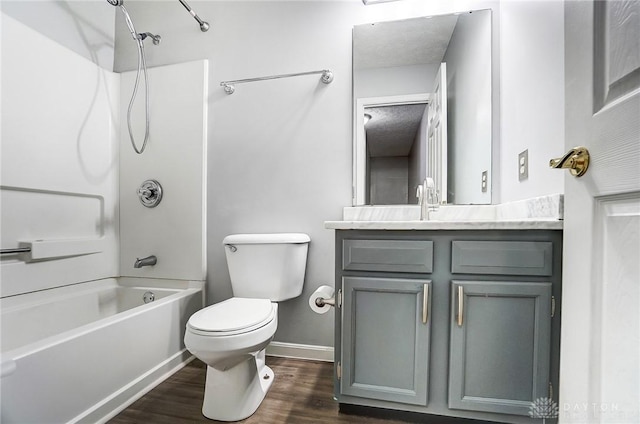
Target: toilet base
(235, 394)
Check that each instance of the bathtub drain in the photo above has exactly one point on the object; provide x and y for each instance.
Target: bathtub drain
(148, 297)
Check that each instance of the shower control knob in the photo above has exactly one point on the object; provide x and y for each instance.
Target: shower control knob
(150, 193)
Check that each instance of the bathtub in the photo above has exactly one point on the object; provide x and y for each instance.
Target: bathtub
(82, 353)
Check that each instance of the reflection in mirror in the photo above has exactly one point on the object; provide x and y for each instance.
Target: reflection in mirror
(392, 148)
(423, 86)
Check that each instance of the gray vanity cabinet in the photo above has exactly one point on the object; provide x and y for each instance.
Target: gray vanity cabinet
(386, 338)
(499, 354)
(499, 345)
(386, 322)
(449, 323)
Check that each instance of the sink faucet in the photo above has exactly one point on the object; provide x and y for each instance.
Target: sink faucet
(148, 261)
(427, 198)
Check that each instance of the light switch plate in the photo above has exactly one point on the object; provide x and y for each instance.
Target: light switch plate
(523, 165)
(485, 177)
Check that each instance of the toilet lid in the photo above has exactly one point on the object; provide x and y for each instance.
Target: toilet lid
(233, 314)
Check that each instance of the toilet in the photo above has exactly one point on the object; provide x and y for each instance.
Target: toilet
(231, 336)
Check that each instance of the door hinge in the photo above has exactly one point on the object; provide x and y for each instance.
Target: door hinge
(553, 306)
(339, 299)
(550, 391)
(339, 370)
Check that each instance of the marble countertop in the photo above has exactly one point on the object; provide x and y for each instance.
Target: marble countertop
(523, 224)
(540, 213)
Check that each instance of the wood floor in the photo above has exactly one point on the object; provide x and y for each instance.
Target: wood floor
(301, 393)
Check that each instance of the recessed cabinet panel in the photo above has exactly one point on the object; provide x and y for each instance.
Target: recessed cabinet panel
(388, 255)
(502, 257)
(385, 339)
(499, 345)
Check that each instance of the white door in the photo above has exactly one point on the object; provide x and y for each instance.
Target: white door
(600, 342)
(437, 138)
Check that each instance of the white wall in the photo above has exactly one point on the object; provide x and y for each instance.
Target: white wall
(394, 81)
(389, 180)
(280, 150)
(531, 96)
(417, 164)
(85, 27)
(59, 160)
(175, 230)
(468, 59)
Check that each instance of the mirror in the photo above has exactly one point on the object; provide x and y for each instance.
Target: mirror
(422, 108)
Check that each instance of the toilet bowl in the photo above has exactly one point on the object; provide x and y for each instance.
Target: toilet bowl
(231, 336)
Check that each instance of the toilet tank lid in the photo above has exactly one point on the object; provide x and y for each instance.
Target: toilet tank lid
(266, 238)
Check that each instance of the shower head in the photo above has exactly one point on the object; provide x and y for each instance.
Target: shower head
(116, 2)
(204, 26)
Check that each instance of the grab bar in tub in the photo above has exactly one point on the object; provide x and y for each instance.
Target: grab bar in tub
(7, 367)
(15, 250)
(44, 249)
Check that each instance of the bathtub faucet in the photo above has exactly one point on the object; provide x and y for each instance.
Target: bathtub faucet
(148, 261)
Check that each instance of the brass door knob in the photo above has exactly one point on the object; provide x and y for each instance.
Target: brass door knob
(575, 160)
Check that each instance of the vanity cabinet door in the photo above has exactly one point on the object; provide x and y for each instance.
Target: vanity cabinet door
(499, 345)
(385, 339)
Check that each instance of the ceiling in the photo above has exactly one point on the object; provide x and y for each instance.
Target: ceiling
(392, 129)
(423, 41)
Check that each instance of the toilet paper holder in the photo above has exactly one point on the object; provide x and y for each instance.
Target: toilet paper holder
(331, 301)
(324, 298)
(320, 301)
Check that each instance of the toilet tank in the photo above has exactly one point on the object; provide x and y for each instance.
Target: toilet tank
(267, 266)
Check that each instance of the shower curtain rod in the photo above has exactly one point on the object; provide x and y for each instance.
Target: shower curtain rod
(229, 88)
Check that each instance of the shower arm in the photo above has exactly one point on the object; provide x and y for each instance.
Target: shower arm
(204, 26)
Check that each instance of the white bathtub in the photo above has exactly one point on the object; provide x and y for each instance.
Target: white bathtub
(82, 353)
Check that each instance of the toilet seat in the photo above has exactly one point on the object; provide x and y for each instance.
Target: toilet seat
(236, 315)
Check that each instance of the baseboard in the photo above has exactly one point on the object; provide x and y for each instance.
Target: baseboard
(300, 351)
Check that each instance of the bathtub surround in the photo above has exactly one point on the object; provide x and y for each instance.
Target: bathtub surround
(175, 230)
(68, 162)
(62, 176)
(59, 180)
